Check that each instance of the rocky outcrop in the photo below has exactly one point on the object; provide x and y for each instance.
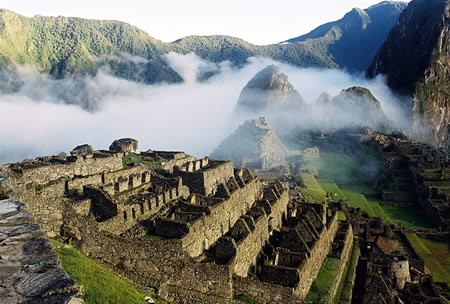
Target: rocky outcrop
(254, 145)
(355, 106)
(415, 59)
(268, 91)
(30, 269)
(124, 145)
(82, 150)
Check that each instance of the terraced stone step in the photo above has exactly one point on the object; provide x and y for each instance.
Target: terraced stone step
(395, 186)
(399, 196)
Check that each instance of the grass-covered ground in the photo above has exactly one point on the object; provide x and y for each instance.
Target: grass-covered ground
(357, 199)
(129, 160)
(409, 217)
(330, 186)
(100, 285)
(344, 178)
(345, 286)
(440, 275)
(318, 194)
(320, 288)
(440, 250)
(339, 166)
(245, 299)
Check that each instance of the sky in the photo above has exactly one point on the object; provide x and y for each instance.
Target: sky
(258, 22)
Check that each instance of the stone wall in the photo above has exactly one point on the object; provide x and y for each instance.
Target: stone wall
(344, 256)
(263, 292)
(30, 270)
(46, 204)
(311, 266)
(81, 166)
(163, 262)
(249, 247)
(206, 180)
(206, 230)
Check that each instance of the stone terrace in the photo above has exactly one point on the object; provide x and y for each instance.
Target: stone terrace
(294, 254)
(430, 172)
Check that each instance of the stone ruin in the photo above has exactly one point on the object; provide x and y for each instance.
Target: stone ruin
(388, 270)
(196, 230)
(426, 169)
(202, 231)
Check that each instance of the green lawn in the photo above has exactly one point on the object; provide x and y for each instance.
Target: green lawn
(100, 285)
(129, 160)
(346, 284)
(339, 166)
(356, 199)
(320, 288)
(409, 217)
(431, 262)
(318, 194)
(331, 187)
(440, 250)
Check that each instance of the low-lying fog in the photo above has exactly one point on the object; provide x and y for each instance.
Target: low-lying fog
(193, 116)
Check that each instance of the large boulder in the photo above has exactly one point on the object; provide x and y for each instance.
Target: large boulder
(82, 150)
(124, 145)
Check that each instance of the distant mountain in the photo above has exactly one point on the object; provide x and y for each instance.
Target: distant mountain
(60, 45)
(355, 106)
(416, 60)
(353, 41)
(269, 91)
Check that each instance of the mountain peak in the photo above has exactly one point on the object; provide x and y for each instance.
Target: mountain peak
(267, 90)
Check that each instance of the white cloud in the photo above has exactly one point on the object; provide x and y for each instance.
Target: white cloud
(192, 116)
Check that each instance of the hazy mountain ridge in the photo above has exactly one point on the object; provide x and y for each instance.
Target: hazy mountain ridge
(67, 44)
(353, 41)
(417, 63)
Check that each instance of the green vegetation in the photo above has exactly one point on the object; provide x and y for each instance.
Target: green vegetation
(339, 167)
(334, 190)
(439, 273)
(409, 217)
(132, 158)
(100, 285)
(245, 299)
(355, 189)
(318, 194)
(356, 199)
(65, 44)
(320, 288)
(345, 286)
(440, 250)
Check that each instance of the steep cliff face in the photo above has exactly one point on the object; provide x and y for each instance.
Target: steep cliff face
(254, 145)
(267, 91)
(415, 58)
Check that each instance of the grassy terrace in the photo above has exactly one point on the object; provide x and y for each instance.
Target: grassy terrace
(345, 286)
(441, 252)
(440, 274)
(343, 177)
(317, 193)
(320, 288)
(99, 284)
(357, 199)
(132, 158)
